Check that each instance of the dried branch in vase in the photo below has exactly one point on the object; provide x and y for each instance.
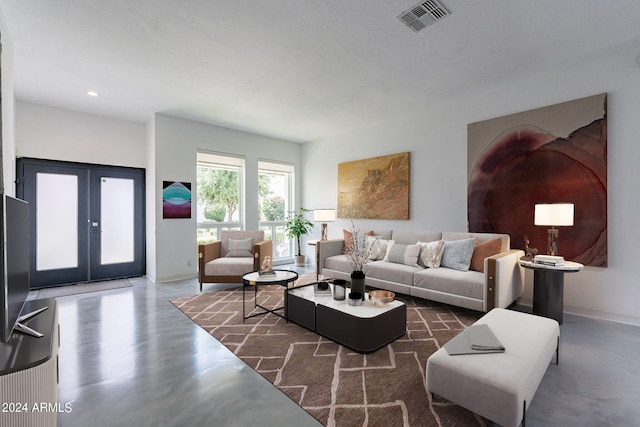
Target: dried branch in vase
(357, 250)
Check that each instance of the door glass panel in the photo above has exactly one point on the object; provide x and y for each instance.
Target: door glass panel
(117, 217)
(56, 221)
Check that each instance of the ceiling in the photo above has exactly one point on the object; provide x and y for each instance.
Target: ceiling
(291, 69)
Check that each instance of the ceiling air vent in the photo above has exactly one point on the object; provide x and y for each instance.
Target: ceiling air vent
(423, 14)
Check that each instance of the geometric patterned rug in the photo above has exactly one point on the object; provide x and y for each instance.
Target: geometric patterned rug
(334, 384)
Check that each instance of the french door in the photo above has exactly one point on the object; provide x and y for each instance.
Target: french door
(86, 221)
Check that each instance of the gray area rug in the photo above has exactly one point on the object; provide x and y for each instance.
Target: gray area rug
(81, 288)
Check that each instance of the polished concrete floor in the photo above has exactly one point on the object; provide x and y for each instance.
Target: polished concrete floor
(128, 357)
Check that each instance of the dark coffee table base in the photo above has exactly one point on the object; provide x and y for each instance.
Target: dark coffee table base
(361, 334)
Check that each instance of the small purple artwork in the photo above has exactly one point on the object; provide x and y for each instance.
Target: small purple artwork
(176, 199)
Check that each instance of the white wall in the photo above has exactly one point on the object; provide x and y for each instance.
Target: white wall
(7, 143)
(56, 134)
(437, 141)
(177, 142)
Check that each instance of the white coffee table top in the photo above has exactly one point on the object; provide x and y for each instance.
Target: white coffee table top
(366, 310)
(280, 276)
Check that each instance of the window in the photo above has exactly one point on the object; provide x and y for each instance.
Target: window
(219, 195)
(275, 199)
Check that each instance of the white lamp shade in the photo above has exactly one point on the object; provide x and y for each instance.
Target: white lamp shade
(324, 215)
(554, 214)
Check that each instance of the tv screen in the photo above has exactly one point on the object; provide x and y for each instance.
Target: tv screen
(14, 262)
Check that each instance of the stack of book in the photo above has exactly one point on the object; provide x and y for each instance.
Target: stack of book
(553, 261)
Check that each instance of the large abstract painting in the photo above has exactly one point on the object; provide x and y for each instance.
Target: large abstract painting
(375, 188)
(176, 199)
(548, 155)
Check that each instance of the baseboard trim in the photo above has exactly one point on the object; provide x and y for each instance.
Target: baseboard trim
(595, 314)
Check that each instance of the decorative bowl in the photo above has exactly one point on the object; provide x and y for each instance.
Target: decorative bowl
(380, 297)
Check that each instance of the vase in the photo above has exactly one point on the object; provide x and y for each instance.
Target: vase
(357, 282)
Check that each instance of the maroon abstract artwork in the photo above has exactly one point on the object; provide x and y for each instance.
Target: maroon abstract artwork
(549, 155)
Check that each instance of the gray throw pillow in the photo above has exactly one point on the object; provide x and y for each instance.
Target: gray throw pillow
(240, 248)
(457, 254)
(403, 254)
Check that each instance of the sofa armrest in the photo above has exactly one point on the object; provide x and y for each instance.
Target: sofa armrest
(207, 252)
(325, 249)
(260, 252)
(504, 279)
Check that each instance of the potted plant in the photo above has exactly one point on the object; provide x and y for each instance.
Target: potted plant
(296, 227)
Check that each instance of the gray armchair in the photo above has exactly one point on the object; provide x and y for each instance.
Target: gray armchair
(234, 255)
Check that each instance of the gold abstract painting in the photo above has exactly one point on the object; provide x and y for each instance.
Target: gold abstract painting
(374, 188)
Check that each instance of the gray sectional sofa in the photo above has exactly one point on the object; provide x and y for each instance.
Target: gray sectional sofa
(499, 285)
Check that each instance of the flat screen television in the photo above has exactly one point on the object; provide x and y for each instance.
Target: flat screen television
(14, 266)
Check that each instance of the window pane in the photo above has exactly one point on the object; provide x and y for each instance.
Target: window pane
(117, 217)
(275, 200)
(219, 192)
(56, 221)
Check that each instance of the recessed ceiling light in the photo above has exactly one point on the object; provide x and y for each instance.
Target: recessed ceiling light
(92, 93)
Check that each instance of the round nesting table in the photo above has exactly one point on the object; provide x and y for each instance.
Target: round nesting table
(548, 287)
(279, 277)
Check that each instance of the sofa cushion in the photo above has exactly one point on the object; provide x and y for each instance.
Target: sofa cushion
(240, 248)
(464, 283)
(412, 237)
(391, 272)
(338, 263)
(378, 247)
(228, 267)
(403, 254)
(457, 254)
(484, 250)
(431, 253)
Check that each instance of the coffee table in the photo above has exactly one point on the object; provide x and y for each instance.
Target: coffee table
(364, 329)
(281, 277)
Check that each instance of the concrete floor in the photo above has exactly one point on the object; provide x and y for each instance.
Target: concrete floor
(128, 357)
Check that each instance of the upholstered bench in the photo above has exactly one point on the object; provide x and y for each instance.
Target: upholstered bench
(498, 386)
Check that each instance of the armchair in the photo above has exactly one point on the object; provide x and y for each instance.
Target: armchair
(231, 257)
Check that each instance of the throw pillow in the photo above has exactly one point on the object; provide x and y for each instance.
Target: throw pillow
(457, 254)
(431, 253)
(403, 254)
(348, 238)
(240, 248)
(378, 248)
(483, 250)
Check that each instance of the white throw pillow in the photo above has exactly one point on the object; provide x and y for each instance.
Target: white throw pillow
(457, 254)
(431, 253)
(240, 248)
(378, 247)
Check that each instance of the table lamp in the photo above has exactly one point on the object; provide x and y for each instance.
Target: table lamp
(324, 216)
(555, 215)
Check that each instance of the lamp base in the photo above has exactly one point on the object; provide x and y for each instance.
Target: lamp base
(552, 242)
(324, 231)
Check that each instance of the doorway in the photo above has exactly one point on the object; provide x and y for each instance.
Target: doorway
(86, 221)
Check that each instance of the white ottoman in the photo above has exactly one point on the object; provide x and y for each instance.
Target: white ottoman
(498, 386)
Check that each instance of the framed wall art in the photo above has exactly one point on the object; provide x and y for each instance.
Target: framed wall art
(554, 154)
(176, 199)
(374, 188)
